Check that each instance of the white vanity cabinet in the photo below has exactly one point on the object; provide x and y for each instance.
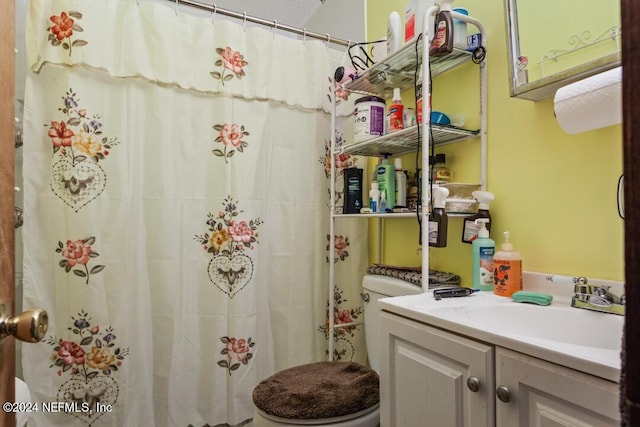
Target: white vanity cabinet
(538, 393)
(428, 377)
(431, 377)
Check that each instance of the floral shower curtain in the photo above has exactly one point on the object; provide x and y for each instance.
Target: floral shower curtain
(177, 213)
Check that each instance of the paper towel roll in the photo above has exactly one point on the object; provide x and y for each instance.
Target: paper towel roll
(592, 103)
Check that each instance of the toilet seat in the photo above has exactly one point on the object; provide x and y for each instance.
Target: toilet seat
(365, 418)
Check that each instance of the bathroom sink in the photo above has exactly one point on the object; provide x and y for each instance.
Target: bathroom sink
(580, 339)
(561, 324)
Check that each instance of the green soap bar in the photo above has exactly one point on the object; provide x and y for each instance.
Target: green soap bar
(532, 297)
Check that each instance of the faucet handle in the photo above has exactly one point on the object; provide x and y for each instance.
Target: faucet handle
(580, 280)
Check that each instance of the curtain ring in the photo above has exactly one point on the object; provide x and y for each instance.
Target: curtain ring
(213, 14)
(275, 27)
(328, 40)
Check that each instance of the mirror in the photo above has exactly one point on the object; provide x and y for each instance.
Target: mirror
(554, 43)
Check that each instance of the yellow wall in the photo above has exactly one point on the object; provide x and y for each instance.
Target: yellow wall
(555, 193)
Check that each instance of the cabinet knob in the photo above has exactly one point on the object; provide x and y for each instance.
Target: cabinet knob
(473, 383)
(503, 394)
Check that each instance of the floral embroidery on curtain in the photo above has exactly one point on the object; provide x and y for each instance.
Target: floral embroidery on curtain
(229, 60)
(63, 28)
(76, 177)
(89, 359)
(344, 348)
(228, 239)
(230, 135)
(78, 253)
(238, 352)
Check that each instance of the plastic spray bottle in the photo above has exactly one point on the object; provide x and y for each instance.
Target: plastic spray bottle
(507, 269)
(438, 219)
(470, 227)
(483, 249)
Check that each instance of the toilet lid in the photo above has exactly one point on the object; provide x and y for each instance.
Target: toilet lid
(319, 391)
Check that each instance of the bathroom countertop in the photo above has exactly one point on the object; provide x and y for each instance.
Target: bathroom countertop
(584, 340)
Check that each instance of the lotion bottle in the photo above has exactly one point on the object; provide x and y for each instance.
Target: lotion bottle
(483, 249)
(386, 178)
(507, 269)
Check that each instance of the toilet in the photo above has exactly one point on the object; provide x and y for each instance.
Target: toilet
(336, 394)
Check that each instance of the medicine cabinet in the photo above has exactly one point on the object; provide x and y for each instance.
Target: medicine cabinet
(552, 44)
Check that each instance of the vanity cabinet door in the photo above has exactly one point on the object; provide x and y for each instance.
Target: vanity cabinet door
(540, 393)
(427, 376)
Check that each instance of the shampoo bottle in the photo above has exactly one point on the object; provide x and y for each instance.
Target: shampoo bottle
(507, 269)
(438, 219)
(352, 190)
(401, 184)
(483, 249)
(442, 43)
(470, 228)
(386, 178)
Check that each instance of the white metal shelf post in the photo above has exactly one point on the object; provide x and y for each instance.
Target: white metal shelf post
(332, 211)
(426, 124)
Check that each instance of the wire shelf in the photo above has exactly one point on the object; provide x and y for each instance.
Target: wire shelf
(398, 70)
(406, 141)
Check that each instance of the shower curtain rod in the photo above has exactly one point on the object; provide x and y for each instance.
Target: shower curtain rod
(272, 24)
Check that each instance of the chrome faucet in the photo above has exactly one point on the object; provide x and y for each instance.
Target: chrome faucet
(596, 297)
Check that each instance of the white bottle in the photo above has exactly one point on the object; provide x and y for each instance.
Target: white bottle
(394, 32)
(374, 197)
(401, 184)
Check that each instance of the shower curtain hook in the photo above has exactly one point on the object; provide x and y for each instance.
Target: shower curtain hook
(177, 4)
(244, 20)
(346, 51)
(328, 40)
(213, 14)
(304, 35)
(275, 27)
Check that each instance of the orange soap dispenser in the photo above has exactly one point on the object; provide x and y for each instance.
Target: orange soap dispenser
(507, 269)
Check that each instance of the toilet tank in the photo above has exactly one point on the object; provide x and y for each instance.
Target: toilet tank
(374, 288)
